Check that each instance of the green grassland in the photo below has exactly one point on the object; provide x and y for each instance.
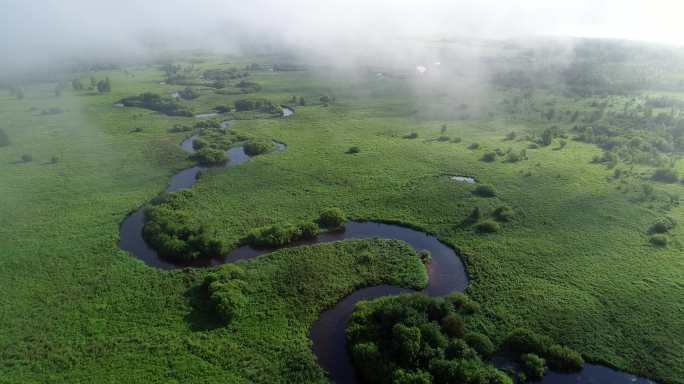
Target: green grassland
(574, 263)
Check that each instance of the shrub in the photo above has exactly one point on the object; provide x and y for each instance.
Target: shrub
(659, 240)
(547, 137)
(480, 343)
(484, 190)
(487, 226)
(533, 366)
(666, 175)
(210, 156)
(563, 359)
(180, 128)
(425, 256)
(332, 218)
(522, 340)
(244, 105)
(280, 235)
(256, 147)
(309, 230)
(533, 146)
(4, 139)
(199, 143)
(474, 215)
(412, 135)
(662, 225)
(456, 140)
(512, 157)
(503, 213)
(453, 326)
(443, 138)
(462, 302)
(54, 160)
(489, 157)
(353, 150)
(188, 94)
(225, 290)
(26, 158)
(222, 108)
(510, 136)
(474, 146)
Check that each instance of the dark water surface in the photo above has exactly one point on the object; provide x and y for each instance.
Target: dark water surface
(446, 274)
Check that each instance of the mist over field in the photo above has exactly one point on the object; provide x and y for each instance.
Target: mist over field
(60, 33)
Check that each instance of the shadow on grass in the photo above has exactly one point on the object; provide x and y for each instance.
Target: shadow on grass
(202, 317)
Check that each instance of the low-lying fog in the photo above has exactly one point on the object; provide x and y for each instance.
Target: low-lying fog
(53, 33)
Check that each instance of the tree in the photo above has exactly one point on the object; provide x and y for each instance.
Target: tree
(481, 343)
(453, 325)
(93, 81)
(406, 342)
(443, 129)
(301, 101)
(547, 137)
(104, 85)
(401, 376)
(533, 366)
(76, 84)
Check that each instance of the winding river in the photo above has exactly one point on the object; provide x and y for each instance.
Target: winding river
(446, 274)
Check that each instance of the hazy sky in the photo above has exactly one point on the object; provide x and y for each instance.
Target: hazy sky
(52, 30)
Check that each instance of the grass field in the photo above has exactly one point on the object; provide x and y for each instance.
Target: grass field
(574, 263)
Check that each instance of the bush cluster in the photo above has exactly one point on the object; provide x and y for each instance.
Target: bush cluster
(260, 105)
(425, 256)
(210, 156)
(157, 103)
(487, 226)
(665, 175)
(224, 288)
(662, 225)
(169, 232)
(256, 147)
(414, 338)
(279, 235)
(503, 213)
(332, 218)
(488, 157)
(188, 94)
(659, 240)
(522, 341)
